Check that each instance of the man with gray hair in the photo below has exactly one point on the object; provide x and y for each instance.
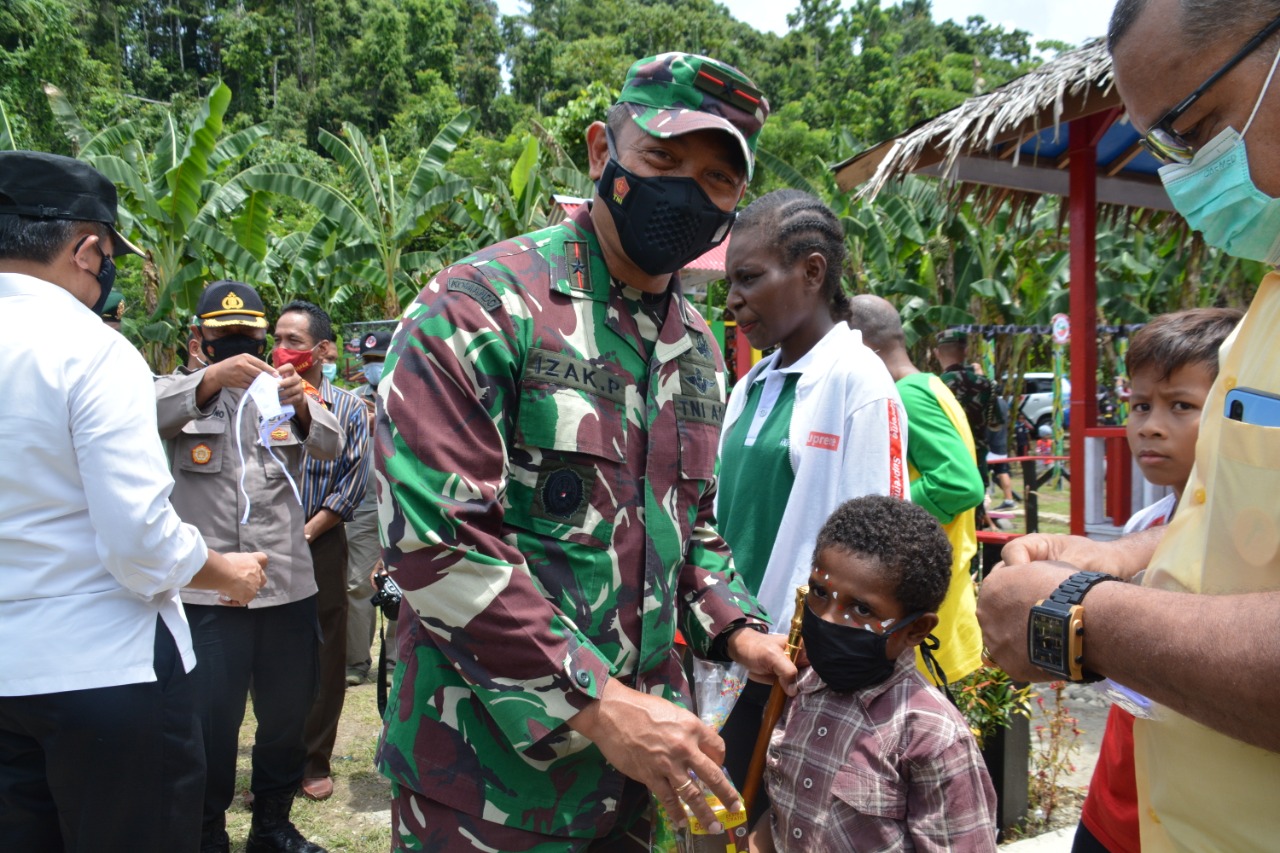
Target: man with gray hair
(1197, 639)
(944, 475)
(95, 649)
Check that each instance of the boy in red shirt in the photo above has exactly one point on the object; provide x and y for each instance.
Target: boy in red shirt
(1172, 363)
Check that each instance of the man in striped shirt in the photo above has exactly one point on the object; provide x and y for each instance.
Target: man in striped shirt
(331, 492)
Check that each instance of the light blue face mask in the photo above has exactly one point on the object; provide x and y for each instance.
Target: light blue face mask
(329, 371)
(1217, 195)
(1220, 200)
(373, 373)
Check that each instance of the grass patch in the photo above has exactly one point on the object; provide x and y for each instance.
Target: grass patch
(357, 818)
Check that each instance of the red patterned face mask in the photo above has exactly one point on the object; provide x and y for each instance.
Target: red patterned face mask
(301, 359)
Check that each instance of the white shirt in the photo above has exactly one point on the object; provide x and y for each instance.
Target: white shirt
(848, 438)
(91, 552)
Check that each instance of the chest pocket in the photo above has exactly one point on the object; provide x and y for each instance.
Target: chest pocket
(201, 446)
(287, 446)
(567, 466)
(871, 796)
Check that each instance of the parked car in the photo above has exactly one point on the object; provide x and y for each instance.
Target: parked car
(1036, 401)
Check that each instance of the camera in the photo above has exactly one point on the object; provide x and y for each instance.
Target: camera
(388, 596)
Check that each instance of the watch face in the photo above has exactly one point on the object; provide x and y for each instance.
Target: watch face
(1048, 641)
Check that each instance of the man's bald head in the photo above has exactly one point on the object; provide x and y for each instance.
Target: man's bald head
(879, 322)
(1202, 22)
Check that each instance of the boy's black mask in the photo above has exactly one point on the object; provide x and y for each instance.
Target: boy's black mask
(848, 657)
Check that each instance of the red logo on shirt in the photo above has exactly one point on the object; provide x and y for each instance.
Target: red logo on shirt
(824, 441)
(201, 454)
(897, 472)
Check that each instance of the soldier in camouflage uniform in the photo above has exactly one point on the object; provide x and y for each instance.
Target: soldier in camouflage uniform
(546, 450)
(978, 398)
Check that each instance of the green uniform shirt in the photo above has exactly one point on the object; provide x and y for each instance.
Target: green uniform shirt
(546, 462)
(756, 476)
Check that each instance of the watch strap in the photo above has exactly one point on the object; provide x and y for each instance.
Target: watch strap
(1071, 593)
(1072, 590)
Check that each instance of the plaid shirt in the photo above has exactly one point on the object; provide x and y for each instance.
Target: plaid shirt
(890, 768)
(339, 484)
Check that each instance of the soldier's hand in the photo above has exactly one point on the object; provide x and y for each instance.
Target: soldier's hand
(764, 656)
(659, 744)
(247, 575)
(238, 371)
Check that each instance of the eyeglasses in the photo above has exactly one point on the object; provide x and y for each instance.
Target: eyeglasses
(1167, 144)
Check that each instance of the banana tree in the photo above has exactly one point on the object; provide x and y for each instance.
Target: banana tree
(361, 243)
(7, 141)
(518, 204)
(174, 201)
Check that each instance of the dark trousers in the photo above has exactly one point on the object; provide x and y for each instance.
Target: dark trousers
(329, 554)
(274, 650)
(104, 770)
(1086, 842)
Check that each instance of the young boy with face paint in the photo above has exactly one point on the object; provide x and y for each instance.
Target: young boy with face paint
(867, 755)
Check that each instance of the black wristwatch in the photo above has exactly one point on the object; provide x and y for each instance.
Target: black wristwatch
(1055, 629)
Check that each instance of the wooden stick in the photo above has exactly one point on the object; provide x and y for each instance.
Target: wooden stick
(773, 710)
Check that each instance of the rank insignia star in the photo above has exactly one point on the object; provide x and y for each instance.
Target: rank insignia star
(577, 266)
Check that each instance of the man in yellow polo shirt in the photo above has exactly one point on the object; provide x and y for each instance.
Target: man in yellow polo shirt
(1199, 636)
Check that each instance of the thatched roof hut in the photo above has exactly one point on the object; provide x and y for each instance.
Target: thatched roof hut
(1058, 130)
(1015, 139)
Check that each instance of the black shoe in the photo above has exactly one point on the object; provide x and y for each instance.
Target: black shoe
(1004, 505)
(271, 831)
(214, 840)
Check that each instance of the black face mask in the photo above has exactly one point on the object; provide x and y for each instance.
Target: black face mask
(848, 657)
(221, 349)
(663, 223)
(106, 277)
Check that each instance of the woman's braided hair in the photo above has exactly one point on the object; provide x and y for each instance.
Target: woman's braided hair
(798, 224)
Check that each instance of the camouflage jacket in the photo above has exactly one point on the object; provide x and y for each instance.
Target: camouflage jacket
(546, 494)
(981, 404)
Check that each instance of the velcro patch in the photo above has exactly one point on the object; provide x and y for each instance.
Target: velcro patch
(487, 298)
(698, 380)
(557, 368)
(698, 409)
(564, 493)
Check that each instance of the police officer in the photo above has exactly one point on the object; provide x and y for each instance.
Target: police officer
(547, 456)
(238, 487)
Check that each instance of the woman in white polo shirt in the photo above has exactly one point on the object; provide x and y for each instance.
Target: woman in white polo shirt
(815, 423)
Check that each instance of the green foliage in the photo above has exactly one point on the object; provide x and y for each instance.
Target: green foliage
(359, 246)
(173, 201)
(316, 148)
(990, 700)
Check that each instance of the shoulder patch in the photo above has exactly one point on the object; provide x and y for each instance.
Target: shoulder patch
(488, 300)
(576, 266)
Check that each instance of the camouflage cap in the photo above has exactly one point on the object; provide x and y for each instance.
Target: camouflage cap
(953, 336)
(675, 93)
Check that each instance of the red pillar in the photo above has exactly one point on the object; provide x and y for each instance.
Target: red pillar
(1083, 199)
